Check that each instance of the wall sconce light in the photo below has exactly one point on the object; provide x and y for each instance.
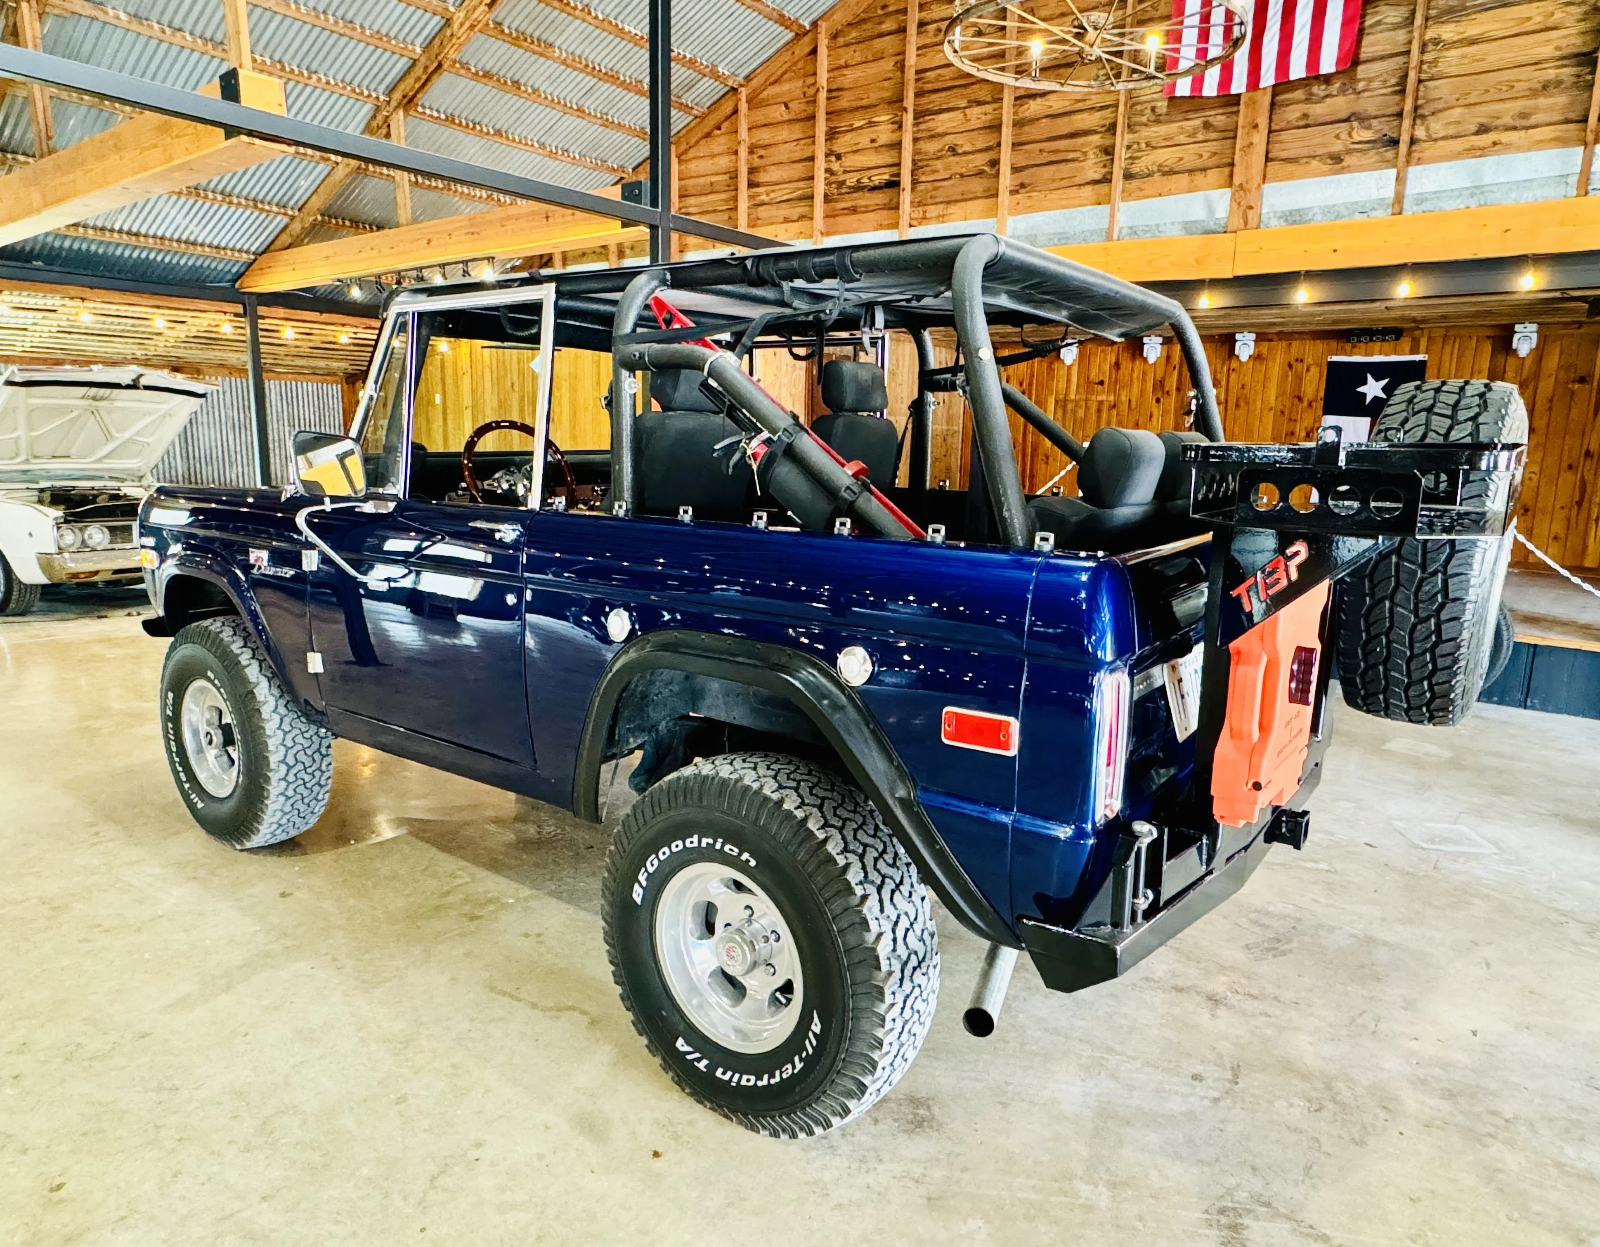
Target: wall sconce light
(1524, 338)
(1244, 345)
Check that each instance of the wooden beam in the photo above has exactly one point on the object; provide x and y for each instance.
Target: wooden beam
(1408, 110)
(143, 156)
(908, 114)
(522, 230)
(580, 64)
(628, 34)
(1586, 162)
(402, 180)
(1546, 227)
(742, 193)
(236, 21)
(819, 139)
(1194, 256)
(776, 16)
(499, 82)
(39, 115)
(1250, 159)
(1119, 152)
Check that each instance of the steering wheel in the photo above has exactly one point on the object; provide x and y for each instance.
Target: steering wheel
(552, 451)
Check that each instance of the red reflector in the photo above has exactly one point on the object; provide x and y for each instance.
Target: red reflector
(1302, 674)
(973, 729)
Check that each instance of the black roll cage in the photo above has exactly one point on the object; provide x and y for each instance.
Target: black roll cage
(965, 282)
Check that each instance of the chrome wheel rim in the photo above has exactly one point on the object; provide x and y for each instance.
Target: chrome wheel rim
(209, 741)
(728, 957)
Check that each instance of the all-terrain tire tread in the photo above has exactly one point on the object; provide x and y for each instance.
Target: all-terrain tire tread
(1417, 624)
(880, 909)
(299, 765)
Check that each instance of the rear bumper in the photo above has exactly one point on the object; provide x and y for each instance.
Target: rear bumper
(89, 565)
(1069, 961)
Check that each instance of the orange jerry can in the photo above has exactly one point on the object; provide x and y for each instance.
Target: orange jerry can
(1267, 730)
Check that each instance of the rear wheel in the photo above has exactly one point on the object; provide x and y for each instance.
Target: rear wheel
(1416, 631)
(251, 766)
(16, 597)
(771, 940)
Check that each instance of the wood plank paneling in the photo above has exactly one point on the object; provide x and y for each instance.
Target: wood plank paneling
(1492, 78)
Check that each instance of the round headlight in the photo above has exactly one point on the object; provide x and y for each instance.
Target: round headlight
(68, 538)
(96, 537)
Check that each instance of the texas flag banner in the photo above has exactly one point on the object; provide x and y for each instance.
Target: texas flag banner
(1288, 39)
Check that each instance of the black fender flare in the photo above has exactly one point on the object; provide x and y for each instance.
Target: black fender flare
(216, 570)
(836, 712)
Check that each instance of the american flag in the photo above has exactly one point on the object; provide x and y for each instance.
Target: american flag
(1288, 39)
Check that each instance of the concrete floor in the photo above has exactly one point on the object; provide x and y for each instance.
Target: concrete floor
(402, 1027)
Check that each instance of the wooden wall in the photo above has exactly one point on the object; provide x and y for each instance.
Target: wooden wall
(471, 384)
(1494, 77)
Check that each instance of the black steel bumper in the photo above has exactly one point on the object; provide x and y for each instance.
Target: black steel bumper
(1069, 961)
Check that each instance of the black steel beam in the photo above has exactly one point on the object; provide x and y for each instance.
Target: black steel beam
(11, 271)
(661, 129)
(56, 71)
(258, 394)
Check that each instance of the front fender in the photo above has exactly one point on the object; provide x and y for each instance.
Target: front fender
(26, 532)
(837, 713)
(216, 570)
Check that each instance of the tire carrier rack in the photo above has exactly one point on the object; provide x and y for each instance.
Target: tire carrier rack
(1286, 522)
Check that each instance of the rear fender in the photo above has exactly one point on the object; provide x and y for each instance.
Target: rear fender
(836, 714)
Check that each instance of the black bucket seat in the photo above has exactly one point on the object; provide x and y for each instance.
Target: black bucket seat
(852, 392)
(678, 463)
(1118, 510)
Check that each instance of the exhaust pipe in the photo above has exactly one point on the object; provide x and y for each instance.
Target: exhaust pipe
(990, 994)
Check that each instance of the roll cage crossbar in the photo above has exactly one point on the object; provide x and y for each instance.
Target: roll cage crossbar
(967, 283)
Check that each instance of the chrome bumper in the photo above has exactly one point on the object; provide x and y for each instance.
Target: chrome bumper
(81, 564)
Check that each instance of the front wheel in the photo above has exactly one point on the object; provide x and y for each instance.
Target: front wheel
(16, 596)
(771, 940)
(252, 767)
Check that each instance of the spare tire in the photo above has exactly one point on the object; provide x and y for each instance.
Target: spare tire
(1417, 624)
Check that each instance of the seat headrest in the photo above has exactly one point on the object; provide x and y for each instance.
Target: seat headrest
(849, 386)
(1175, 473)
(680, 389)
(1121, 468)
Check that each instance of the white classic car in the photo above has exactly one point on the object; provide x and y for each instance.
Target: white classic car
(77, 449)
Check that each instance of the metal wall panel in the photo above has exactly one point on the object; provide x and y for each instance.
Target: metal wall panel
(215, 447)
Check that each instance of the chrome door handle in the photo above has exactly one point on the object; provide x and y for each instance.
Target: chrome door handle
(501, 529)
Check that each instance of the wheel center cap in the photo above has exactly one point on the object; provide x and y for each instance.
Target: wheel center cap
(741, 948)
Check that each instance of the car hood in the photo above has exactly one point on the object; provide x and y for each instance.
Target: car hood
(82, 424)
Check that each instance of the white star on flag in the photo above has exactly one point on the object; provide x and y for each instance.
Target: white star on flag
(1373, 388)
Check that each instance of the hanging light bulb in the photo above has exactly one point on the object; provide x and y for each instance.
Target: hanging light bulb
(1302, 295)
(226, 327)
(85, 316)
(1528, 280)
(288, 333)
(344, 338)
(1203, 301)
(1404, 289)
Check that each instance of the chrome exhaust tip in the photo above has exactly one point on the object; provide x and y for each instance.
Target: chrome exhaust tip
(989, 996)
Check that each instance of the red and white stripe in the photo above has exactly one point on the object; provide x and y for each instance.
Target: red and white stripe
(1288, 39)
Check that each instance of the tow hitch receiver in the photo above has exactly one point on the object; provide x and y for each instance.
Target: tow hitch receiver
(1287, 522)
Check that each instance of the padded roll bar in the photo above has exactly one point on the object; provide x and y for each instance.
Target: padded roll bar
(633, 301)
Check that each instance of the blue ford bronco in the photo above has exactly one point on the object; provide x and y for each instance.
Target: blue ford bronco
(1079, 721)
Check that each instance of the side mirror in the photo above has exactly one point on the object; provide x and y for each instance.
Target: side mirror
(327, 465)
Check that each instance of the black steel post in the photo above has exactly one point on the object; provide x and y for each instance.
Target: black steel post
(661, 129)
(258, 394)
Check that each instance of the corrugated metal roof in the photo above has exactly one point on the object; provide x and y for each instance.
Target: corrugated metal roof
(103, 258)
(723, 33)
(472, 101)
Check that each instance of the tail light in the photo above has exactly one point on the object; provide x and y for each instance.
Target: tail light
(1111, 706)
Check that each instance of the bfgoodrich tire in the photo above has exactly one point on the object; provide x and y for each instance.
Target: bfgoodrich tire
(16, 598)
(771, 940)
(1416, 631)
(252, 768)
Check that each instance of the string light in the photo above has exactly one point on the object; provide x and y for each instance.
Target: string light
(1529, 280)
(344, 339)
(288, 333)
(85, 316)
(227, 328)
(444, 347)
(1153, 40)
(1404, 289)
(1302, 295)
(160, 322)
(1204, 300)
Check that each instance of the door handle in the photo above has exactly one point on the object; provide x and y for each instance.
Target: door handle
(502, 530)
